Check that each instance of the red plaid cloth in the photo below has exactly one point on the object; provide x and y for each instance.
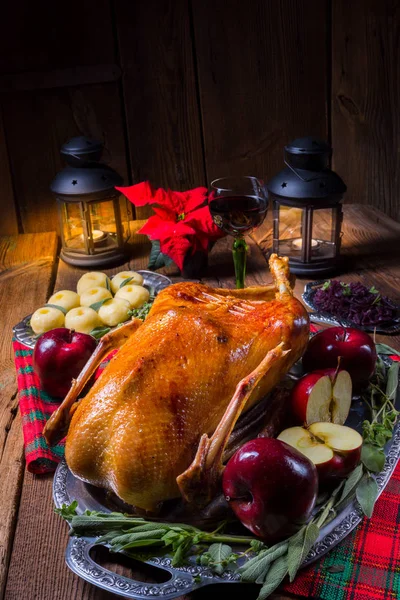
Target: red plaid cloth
(36, 407)
(365, 566)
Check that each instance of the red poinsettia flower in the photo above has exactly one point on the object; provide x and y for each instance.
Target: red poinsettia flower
(182, 222)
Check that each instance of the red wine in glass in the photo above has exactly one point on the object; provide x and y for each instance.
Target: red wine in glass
(238, 215)
(237, 206)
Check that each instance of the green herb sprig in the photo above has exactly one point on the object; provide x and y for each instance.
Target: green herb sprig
(259, 564)
(143, 311)
(267, 566)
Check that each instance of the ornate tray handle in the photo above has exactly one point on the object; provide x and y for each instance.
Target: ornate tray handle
(78, 559)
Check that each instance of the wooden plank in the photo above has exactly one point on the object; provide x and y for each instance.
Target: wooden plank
(262, 72)
(39, 80)
(45, 574)
(365, 101)
(92, 110)
(26, 276)
(38, 123)
(44, 37)
(9, 220)
(162, 111)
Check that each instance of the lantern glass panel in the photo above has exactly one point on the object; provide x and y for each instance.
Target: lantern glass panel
(123, 208)
(323, 234)
(290, 231)
(73, 226)
(103, 224)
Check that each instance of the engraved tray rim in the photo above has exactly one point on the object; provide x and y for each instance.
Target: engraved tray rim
(67, 488)
(154, 282)
(318, 316)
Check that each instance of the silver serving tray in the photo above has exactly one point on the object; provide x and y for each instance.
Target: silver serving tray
(317, 316)
(183, 580)
(154, 282)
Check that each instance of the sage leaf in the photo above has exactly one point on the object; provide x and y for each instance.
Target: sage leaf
(385, 349)
(373, 458)
(137, 544)
(60, 308)
(367, 493)
(108, 284)
(299, 546)
(219, 553)
(98, 332)
(275, 576)
(97, 305)
(125, 282)
(392, 381)
(255, 570)
(351, 482)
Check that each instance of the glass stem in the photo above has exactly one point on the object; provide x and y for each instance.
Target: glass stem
(239, 251)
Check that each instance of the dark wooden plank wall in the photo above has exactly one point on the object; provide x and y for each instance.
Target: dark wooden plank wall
(187, 90)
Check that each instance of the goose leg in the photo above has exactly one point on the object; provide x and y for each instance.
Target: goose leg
(199, 481)
(57, 426)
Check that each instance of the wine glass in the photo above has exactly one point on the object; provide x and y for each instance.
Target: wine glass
(237, 206)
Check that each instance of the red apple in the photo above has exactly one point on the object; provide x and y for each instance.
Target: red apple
(59, 356)
(334, 449)
(271, 488)
(322, 396)
(355, 348)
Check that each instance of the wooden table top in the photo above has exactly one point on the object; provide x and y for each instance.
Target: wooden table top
(32, 537)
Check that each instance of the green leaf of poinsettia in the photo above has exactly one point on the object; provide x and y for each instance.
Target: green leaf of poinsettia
(157, 259)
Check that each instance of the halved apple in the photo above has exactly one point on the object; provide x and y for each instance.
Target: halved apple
(322, 396)
(334, 449)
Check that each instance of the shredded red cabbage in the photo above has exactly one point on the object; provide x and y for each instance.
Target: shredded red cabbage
(355, 302)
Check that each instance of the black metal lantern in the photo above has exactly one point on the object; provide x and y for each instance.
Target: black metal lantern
(307, 211)
(93, 215)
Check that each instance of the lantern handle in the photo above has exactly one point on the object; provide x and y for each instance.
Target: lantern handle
(105, 152)
(306, 180)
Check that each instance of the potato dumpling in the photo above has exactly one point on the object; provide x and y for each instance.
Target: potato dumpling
(82, 319)
(94, 294)
(121, 277)
(114, 311)
(46, 318)
(65, 298)
(135, 294)
(91, 279)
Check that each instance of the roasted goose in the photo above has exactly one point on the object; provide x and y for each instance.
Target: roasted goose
(201, 358)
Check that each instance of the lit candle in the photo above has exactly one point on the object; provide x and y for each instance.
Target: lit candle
(297, 244)
(97, 236)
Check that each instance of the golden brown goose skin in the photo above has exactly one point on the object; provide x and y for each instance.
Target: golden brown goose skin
(139, 426)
